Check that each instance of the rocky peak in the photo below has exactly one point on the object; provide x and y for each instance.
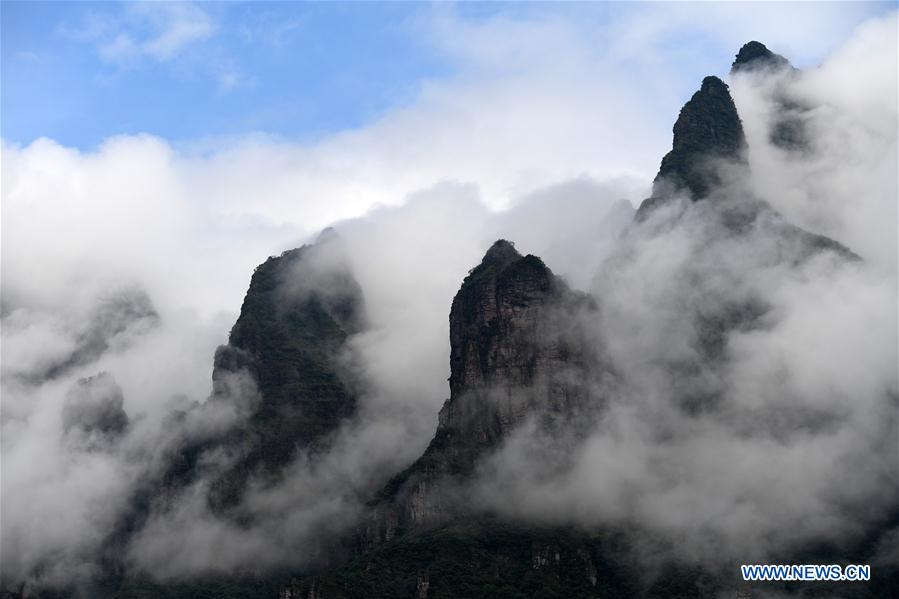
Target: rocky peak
(299, 311)
(516, 353)
(755, 55)
(501, 254)
(787, 127)
(707, 129)
(499, 296)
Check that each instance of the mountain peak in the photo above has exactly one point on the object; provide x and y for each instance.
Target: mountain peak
(501, 254)
(714, 85)
(754, 55)
(708, 128)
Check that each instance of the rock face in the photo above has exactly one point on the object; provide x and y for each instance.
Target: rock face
(774, 73)
(516, 353)
(707, 130)
(708, 133)
(281, 377)
(755, 55)
(297, 315)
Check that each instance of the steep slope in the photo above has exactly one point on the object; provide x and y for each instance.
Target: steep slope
(707, 131)
(279, 387)
(515, 355)
(297, 315)
(709, 140)
(756, 56)
(773, 74)
(281, 374)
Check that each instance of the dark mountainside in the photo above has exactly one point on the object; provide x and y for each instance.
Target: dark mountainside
(513, 356)
(788, 130)
(283, 368)
(298, 312)
(707, 130)
(756, 56)
(517, 358)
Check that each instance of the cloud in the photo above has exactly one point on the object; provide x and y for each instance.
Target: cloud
(158, 31)
(537, 146)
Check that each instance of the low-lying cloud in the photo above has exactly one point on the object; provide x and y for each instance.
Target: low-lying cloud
(797, 448)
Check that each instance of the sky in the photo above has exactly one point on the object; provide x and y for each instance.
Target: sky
(79, 73)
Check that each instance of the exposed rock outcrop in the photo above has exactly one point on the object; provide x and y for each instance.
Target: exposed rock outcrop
(787, 129)
(755, 55)
(299, 311)
(707, 132)
(283, 374)
(517, 352)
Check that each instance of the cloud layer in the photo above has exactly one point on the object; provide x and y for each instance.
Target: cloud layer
(539, 154)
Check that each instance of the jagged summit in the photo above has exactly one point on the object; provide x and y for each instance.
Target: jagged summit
(708, 128)
(501, 253)
(516, 353)
(754, 55)
(299, 311)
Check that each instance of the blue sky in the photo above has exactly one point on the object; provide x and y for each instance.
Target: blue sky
(81, 72)
(294, 69)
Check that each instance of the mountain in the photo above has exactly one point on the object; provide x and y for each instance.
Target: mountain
(299, 311)
(774, 73)
(93, 415)
(756, 56)
(707, 131)
(514, 355)
(522, 362)
(283, 369)
(518, 357)
(708, 160)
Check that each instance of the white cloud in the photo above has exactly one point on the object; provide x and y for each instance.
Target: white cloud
(158, 31)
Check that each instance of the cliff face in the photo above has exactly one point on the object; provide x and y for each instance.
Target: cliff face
(708, 130)
(297, 315)
(516, 354)
(756, 56)
(787, 129)
(282, 372)
(512, 348)
(708, 134)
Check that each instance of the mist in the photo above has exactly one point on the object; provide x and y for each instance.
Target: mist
(128, 264)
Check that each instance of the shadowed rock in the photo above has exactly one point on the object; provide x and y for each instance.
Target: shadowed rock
(516, 353)
(707, 131)
(299, 311)
(755, 55)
